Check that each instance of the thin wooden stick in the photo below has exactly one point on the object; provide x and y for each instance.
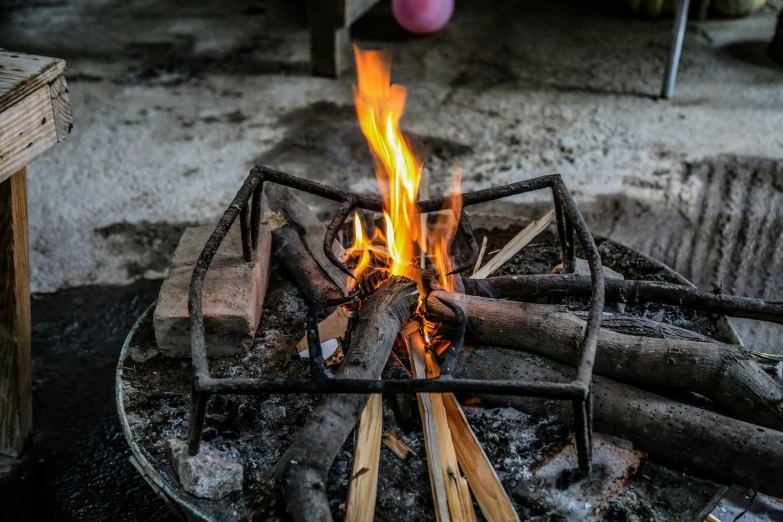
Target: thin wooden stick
(484, 482)
(481, 255)
(448, 490)
(364, 477)
(515, 245)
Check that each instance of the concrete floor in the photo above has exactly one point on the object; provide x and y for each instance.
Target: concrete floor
(174, 102)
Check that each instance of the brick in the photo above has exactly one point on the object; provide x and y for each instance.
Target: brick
(233, 295)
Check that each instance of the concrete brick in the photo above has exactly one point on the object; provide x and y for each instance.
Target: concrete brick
(233, 295)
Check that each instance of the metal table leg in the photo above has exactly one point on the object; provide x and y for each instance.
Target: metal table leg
(678, 32)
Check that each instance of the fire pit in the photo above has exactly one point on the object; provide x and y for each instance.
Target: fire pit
(154, 395)
(408, 321)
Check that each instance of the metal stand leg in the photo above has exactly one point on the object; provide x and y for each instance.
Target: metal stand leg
(678, 32)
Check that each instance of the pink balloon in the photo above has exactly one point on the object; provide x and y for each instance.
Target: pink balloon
(422, 16)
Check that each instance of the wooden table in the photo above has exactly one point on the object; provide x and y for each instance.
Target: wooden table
(34, 115)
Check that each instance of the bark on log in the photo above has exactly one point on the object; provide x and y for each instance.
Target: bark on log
(724, 373)
(618, 290)
(722, 448)
(301, 266)
(301, 472)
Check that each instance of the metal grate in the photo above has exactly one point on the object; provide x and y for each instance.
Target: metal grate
(570, 224)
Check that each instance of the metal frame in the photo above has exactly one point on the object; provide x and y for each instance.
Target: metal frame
(570, 224)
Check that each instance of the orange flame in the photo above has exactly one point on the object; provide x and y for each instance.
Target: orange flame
(360, 244)
(379, 107)
(443, 234)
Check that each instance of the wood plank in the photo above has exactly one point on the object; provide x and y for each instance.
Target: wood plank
(22, 74)
(364, 477)
(27, 130)
(61, 108)
(15, 364)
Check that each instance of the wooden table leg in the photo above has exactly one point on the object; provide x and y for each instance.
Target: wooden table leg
(330, 45)
(16, 408)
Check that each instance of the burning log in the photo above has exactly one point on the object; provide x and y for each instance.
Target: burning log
(534, 286)
(300, 474)
(726, 449)
(724, 373)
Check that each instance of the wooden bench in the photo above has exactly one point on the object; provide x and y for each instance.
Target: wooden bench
(34, 115)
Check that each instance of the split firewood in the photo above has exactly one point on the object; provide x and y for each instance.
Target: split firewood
(480, 257)
(424, 195)
(301, 266)
(448, 490)
(481, 476)
(515, 245)
(396, 446)
(685, 436)
(299, 476)
(565, 285)
(724, 373)
(367, 450)
(282, 200)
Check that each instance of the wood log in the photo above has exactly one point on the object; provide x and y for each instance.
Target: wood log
(300, 474)
(617, 290)
(301, 266)
(725, 373)
(701, 441)
(297, 213)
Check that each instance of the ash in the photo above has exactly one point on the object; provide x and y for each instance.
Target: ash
(259, 428)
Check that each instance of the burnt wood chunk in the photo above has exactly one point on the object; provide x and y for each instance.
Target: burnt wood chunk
(16, 408)
(233, 298)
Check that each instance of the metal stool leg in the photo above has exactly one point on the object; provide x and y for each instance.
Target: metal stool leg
(678, 32)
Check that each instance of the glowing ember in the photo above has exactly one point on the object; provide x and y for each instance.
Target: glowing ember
(379, 107)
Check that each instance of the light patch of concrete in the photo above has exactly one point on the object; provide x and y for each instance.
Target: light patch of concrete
(174, 103)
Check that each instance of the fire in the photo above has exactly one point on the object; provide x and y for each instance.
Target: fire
(379, 107)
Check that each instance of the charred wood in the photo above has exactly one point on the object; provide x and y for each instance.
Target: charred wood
(710, 444)
(725, 373)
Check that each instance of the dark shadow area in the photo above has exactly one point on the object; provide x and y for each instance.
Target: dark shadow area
(77, 467)
(754, 52)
